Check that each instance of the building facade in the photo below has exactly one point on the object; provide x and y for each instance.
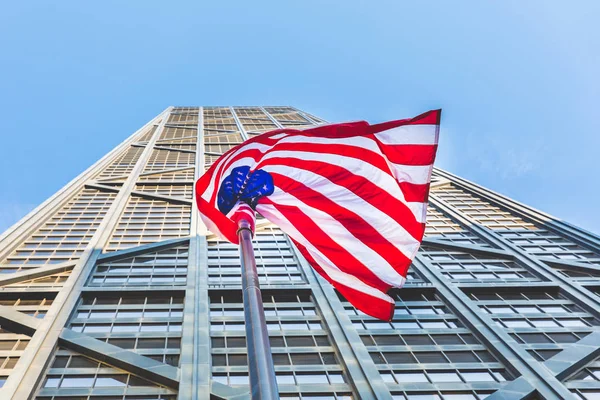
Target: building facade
(113, 290)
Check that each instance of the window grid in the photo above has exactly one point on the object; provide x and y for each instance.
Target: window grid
(301, 354)
(543, 243)
(181, 147)
(442, 395)
(54, 281)
(36, 307)
(167, 159)
(125, 162)
(167, 267)
(587, 394)
(183, 117)
(66, 234)
(483, 270)
(70, 370)
(147, 221)
(111, 397)
(147, 323)
(146, 136)
(524, 234)
(481, 211)
(435, 376)
(178, 135)
(439, 225)
(211, 137)
(590, 375)
(12, 346)
(219, 120)
(181, 191)
(288, 117)
(275, 262)
(220, 148)
(186, 174)
(190, 138)
(254, 120)
(424, 335)
(536, 318)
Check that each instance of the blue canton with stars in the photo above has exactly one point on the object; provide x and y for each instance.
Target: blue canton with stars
(245, 186)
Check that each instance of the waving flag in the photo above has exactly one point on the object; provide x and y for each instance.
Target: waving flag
(352, 197)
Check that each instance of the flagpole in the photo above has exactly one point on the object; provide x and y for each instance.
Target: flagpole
(263, 383)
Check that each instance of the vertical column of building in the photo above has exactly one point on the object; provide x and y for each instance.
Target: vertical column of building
(195, 358)
(49, 251)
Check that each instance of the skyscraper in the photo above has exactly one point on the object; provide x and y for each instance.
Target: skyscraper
(112, 289)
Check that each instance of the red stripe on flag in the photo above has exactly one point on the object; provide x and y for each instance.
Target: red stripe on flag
(414, 193)
(410, 154)
(370, 305)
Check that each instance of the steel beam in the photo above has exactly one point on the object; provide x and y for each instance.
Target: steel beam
(497, 340)
(467, 248)
(129, 361)
(168, 199)
(565, 363)
(33, 273)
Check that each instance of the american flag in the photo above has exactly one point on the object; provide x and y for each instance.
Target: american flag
(351, 196)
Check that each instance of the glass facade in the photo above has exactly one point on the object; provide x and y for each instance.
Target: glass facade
(113, 289)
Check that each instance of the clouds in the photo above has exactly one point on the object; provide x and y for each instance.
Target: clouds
(504, 156)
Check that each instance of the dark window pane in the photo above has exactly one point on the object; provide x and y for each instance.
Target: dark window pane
(82, 362)
(446, 339)
(60, 362)
(219, 360)
(400, 358)
(238, 359)
(418, 340)
(431, 357)
(123, 343)
(306, 359)
(299, 341)
(281, 359)
(388, 340)
(462, 357)
(236, 342)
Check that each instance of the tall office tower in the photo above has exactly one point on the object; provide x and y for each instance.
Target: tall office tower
(112, 290)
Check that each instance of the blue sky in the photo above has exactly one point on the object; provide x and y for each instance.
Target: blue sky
(518, 82)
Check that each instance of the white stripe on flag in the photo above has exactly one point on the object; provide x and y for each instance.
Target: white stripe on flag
(361, 142)
(409, 134)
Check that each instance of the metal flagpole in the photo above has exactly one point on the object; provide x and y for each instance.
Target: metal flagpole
(263, 384)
